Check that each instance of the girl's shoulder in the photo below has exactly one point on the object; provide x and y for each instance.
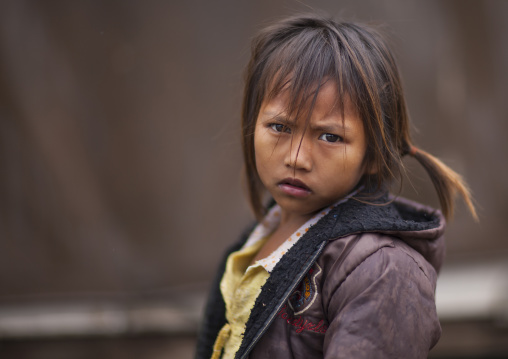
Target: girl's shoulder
(373, 255)
(402, 235)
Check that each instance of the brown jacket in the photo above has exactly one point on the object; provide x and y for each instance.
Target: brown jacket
(359, 284)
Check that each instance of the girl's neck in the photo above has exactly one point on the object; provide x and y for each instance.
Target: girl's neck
(287, 226)
(291, 221)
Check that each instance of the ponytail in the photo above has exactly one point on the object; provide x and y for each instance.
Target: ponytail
(447, 182)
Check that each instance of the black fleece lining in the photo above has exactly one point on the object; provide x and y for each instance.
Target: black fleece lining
(350, 217)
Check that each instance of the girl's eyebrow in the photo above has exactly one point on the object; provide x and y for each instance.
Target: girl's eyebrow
(331, 128)
(280, 117)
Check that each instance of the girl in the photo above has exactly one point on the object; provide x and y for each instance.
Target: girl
(336, 267)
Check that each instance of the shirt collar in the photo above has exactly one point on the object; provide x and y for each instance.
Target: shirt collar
(270, 223)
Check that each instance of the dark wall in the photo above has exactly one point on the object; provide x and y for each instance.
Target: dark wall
(119, 131)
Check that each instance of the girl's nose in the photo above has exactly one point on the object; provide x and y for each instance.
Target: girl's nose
(299, 156)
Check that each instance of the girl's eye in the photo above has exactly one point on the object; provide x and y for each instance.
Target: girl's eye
(277, 127)
(329, 137)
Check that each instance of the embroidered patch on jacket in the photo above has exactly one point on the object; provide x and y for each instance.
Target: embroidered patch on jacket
(306, 292)
(302, 324)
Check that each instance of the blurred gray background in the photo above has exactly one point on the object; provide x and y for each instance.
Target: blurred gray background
(120, 163)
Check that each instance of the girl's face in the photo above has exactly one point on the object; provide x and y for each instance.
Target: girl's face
(331, 152)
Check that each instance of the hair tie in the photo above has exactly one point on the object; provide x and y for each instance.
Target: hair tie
(413, 150)
(409, 150)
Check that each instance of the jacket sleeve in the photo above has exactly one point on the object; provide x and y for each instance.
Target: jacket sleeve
(385, 308)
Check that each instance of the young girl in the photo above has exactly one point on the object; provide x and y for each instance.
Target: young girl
(336, 267)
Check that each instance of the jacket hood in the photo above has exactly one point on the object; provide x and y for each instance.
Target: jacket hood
(420, 226)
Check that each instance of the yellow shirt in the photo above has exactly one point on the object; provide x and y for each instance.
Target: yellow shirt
(240, 286)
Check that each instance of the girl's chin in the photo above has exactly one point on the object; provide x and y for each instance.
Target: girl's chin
(295, 208)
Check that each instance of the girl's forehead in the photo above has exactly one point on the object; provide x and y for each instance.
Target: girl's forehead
(324, 97)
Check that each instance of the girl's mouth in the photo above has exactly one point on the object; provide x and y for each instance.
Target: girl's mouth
(294, 187)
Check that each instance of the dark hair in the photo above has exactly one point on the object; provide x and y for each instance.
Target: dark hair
(299, 55)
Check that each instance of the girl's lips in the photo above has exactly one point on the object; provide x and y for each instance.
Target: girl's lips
(294, 187)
